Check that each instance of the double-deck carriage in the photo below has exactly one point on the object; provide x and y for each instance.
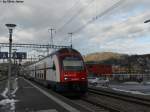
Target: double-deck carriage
(63, 71)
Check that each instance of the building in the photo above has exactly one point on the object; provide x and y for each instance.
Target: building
(97, 69)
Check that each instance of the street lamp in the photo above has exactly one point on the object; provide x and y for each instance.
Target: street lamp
(10, 28)
(147, 21)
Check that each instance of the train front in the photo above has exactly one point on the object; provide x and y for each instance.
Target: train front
(73, 72)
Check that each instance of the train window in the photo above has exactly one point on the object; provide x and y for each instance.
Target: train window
(73, 64)
(54, 67)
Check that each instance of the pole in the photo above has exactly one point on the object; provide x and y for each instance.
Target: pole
(10, 27)
(14, 58)
(52, 35)
(31, 59)
(14, 55)
(51, 31)
(70, 38)
(9, 66)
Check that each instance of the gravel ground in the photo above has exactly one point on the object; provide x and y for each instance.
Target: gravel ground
(90, 107)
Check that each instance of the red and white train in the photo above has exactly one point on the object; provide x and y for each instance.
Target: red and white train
(64, 71)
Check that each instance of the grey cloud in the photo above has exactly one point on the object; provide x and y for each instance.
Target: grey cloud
(35, 17)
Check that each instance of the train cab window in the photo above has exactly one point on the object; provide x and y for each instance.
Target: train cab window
(73, 63)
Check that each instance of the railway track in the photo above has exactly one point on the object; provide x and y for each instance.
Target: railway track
(121, 96)
(91, 106)
(117, 101)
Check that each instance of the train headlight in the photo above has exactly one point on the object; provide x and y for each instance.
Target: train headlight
(82, 78)
(66, 78)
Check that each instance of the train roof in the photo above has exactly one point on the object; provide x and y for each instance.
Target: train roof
(66, 50)
(59, 52)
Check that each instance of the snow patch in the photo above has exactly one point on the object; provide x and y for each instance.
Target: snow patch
(13, 92)
(10, 102)
(4, 94)
(7, 103)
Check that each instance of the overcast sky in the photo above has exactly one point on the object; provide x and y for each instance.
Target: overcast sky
(121, 29)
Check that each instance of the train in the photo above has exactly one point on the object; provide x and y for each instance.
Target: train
(63, 70)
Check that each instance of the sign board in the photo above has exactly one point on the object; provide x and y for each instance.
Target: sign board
(3, 55)
(19, 55)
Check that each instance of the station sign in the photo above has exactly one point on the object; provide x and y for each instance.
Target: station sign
(3, 55)
(19, 55)
(15, 55)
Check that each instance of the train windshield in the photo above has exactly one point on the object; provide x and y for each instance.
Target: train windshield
(74, 64)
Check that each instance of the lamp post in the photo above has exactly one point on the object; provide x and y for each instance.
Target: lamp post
(10, 28)
(14, 55)
(147, 21)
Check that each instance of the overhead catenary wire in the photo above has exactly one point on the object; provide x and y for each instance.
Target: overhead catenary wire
(75, 15)
(68, 11)
(115, 5)
(99, 16)
(81, 10)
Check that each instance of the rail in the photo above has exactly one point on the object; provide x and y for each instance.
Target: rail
(118, 101)
(138, 99)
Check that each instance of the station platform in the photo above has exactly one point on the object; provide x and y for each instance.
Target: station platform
(32, 97)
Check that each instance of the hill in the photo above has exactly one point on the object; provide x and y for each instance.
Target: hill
(104, 56)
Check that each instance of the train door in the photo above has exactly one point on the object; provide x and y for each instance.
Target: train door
(56, 70)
